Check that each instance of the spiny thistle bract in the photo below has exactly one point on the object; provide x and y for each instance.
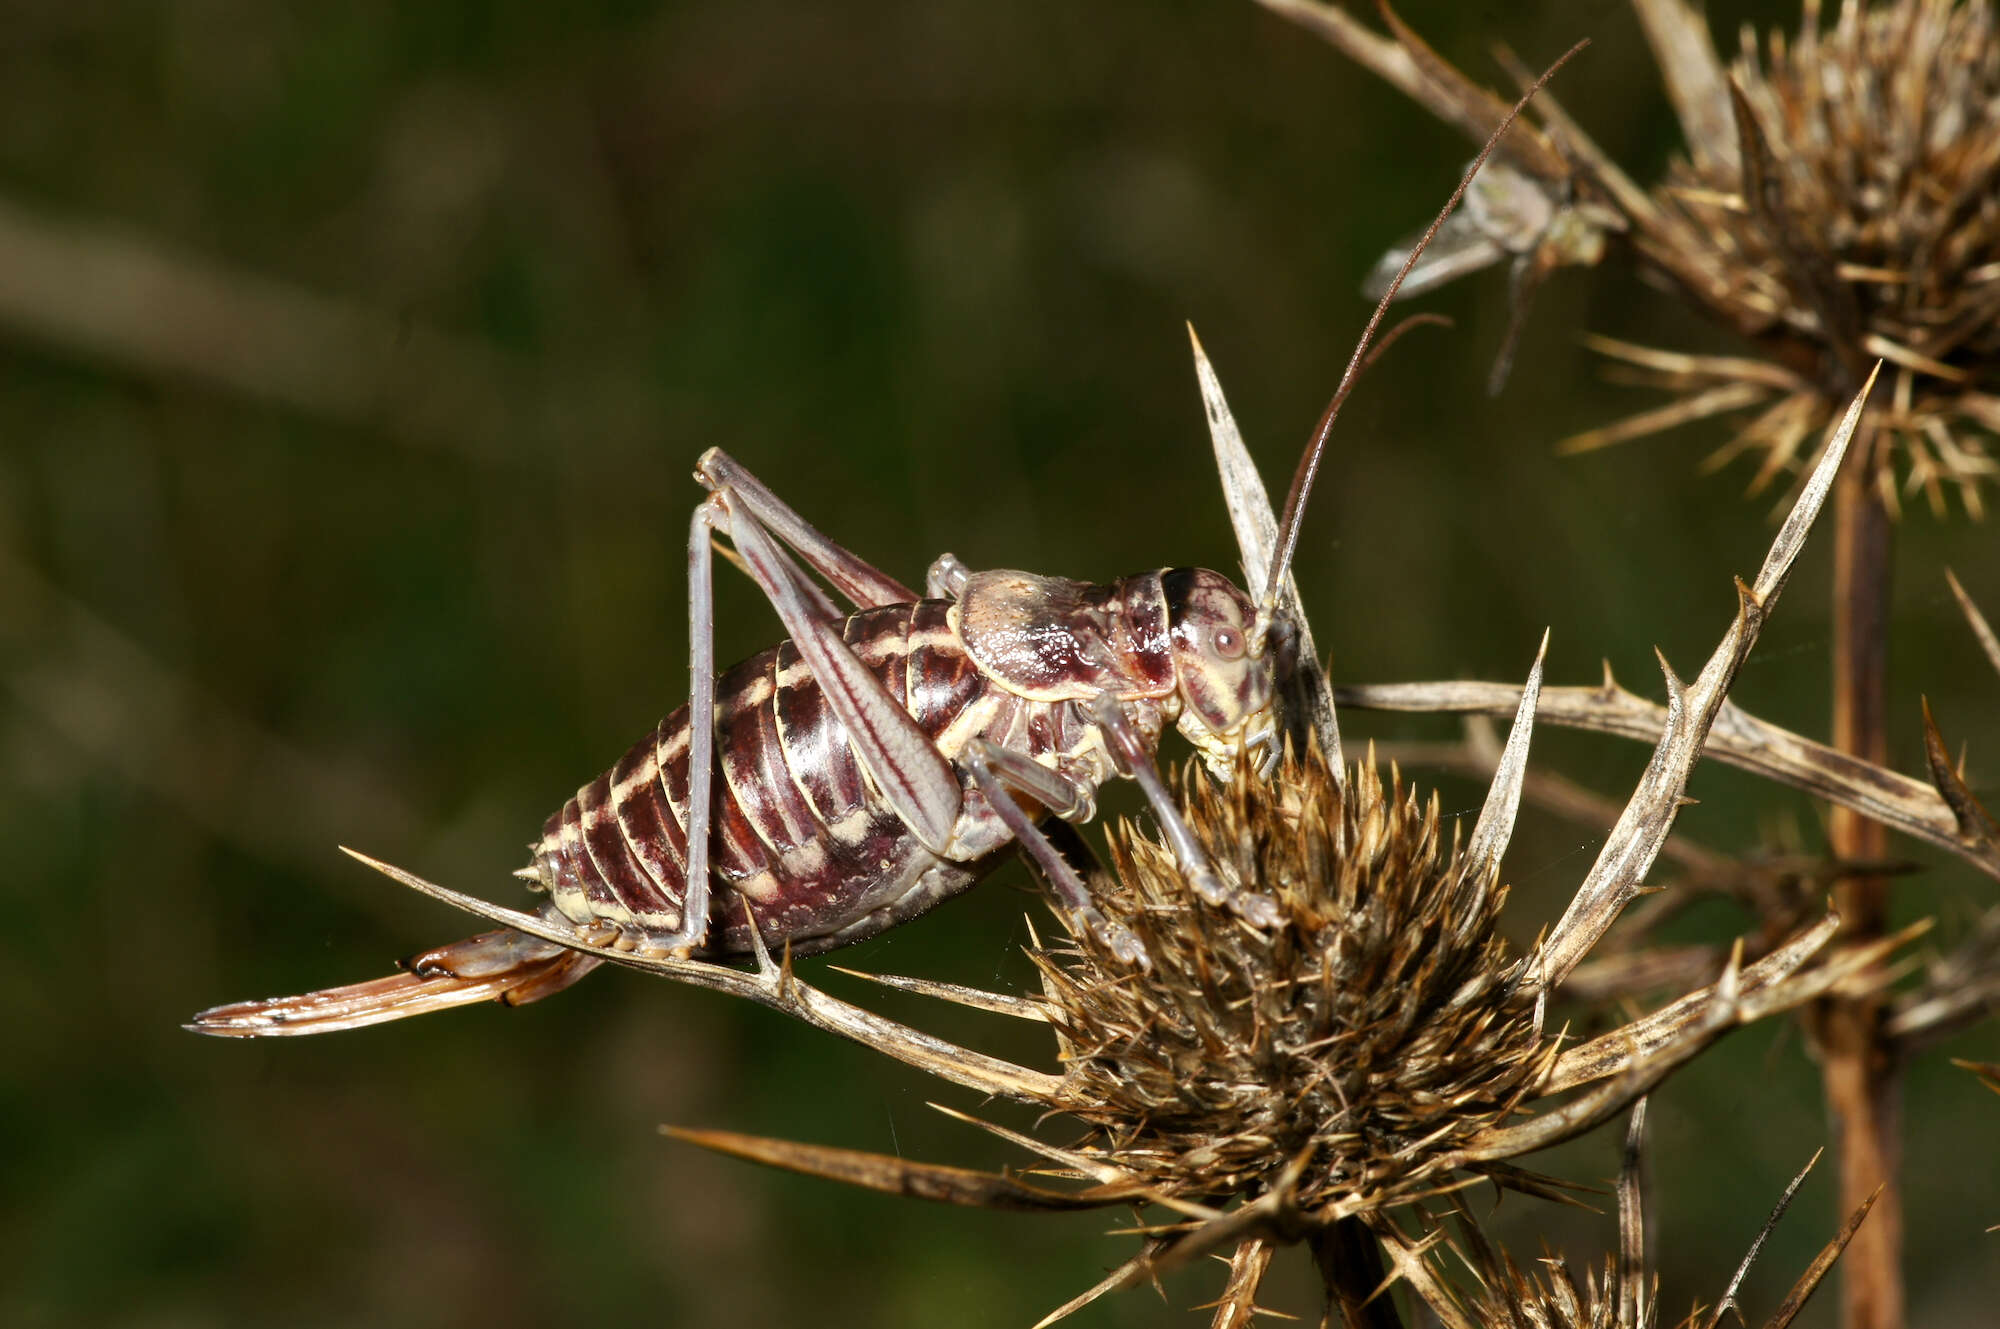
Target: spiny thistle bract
(1379, 1026)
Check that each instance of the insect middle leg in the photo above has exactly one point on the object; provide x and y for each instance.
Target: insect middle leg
(1000, 772)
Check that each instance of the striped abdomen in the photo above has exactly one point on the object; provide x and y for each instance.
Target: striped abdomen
(798, 830)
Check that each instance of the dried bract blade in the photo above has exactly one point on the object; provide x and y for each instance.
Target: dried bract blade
(1959, 990)
(1989, 642)
(1621, 867)
(1237, 1307)
(1309, 702)
(771, 985)
(893, 1176)
(1737, 738)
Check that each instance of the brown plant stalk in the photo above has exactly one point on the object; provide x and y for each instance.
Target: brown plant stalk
(1860, 1064)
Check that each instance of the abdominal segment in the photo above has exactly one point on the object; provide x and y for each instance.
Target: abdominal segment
(801, 838)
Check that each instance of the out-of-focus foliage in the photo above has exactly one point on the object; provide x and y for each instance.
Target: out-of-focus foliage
(352, 361)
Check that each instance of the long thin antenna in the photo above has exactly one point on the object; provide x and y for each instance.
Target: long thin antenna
(1302, 479)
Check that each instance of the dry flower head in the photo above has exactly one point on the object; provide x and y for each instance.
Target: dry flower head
(1836, 205)
(1381, 1025)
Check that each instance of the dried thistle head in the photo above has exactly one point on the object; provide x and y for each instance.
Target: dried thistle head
(1835, 206)
(1381, 1025)
(1381, 1046)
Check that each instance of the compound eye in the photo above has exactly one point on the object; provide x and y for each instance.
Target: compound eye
(1229, 643)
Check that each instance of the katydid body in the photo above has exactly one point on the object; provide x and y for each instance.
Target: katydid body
(874, 764)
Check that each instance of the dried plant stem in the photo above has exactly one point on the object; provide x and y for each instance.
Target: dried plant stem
(1860, 1068)
(1237, 1307)
(1350, 1265)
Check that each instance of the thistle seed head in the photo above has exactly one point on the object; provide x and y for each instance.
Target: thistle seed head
(1375, 1028)
(1837, 204)
(1624, 1296)
(1552, 1297)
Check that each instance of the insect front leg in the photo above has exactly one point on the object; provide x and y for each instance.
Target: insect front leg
(998, 772)
(1129, 752)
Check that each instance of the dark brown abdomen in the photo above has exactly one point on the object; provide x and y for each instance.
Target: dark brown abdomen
(797, 827)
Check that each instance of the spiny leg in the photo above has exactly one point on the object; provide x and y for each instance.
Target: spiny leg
(701, 727)
(860, 581)
(999, 770)
(805, 611)
(1132, 758)
(914, 778)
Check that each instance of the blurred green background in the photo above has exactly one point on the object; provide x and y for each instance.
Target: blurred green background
(352, 362)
